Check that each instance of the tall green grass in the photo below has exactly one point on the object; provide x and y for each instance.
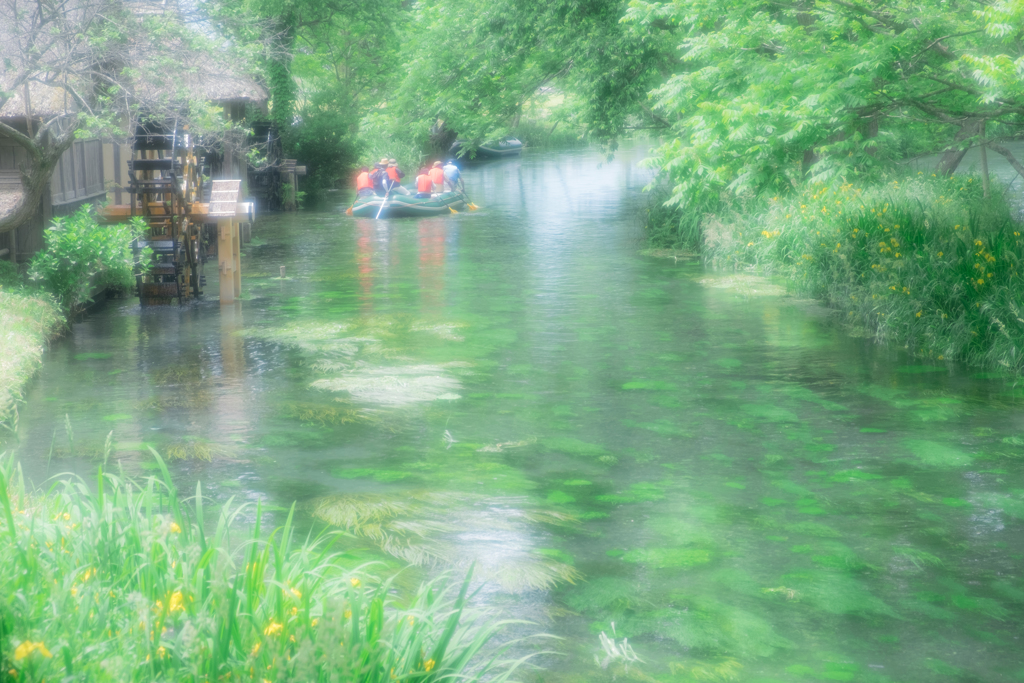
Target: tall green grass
(668, 225)
(125, 581)
(27, 321)
(925, 262)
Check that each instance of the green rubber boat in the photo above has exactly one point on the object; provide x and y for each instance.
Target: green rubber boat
(406, 206)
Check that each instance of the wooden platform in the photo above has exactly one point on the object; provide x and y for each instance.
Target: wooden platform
(200, 213)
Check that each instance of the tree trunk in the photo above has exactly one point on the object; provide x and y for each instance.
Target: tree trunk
(984, 165)
(954, 154)
(810, 158)
(1017, 166)
(44, 153)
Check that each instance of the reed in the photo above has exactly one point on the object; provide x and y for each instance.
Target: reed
(127, 581)
(928, 263)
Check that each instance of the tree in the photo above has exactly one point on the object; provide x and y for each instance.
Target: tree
(55, 51)
(766, 94)
(78, 68)
(325, 63)
(472, 65)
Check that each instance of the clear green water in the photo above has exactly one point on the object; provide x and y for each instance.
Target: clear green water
(742, 488)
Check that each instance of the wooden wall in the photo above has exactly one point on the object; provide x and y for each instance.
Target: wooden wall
(79, 174)
(77, 179)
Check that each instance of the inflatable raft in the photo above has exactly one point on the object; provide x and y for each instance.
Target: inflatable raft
(405, 206)
(506, 147)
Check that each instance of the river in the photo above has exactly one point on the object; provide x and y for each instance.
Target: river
(746, 491)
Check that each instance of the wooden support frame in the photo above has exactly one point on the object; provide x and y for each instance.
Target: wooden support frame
(229, 258)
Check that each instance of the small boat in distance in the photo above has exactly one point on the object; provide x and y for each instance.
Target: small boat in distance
(506, 147)
(406, 206)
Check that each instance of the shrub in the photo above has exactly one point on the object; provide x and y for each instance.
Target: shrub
(9, 276)
(927, 262)
(123, 583)
(82, 257)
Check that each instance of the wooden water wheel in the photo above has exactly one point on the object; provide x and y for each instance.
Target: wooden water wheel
(166, 181)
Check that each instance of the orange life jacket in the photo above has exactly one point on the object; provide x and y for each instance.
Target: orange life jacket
(423, 183)
(363, 181)
(437, 175)
(394, 174)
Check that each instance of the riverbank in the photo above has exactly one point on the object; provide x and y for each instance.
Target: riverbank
(27, 322)
(927, 263)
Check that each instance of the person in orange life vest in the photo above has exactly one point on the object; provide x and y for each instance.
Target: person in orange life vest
(437, 177)
(395, 175)
(364, 186)
(424, 184)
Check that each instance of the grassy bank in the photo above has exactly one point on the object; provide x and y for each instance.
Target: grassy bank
(119, 581)
(27, 322)
(924, 262)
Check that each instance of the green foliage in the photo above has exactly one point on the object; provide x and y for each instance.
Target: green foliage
(667, 224)
(767, 95)
(924, 261)
(124, 583)
(82, 257)
(323, 140)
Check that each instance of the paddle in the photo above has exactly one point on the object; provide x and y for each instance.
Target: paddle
(390, 185)
(469, 205)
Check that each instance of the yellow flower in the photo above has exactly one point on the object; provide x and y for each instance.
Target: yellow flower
(175, 528)
(314, 623)
(940, 254)
(161, 652)
(355, 582)
(919, 314)
(273, 629)
(74, 591)
(296, 593)
(348, 614)
(255, 650)
(28, 647)
(428, 665)
(980, 281)
(176, 604)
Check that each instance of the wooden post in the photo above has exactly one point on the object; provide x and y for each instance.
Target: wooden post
(236, 253)
(224, 207)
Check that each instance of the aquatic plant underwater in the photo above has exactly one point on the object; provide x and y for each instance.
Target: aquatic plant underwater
(118, 580)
